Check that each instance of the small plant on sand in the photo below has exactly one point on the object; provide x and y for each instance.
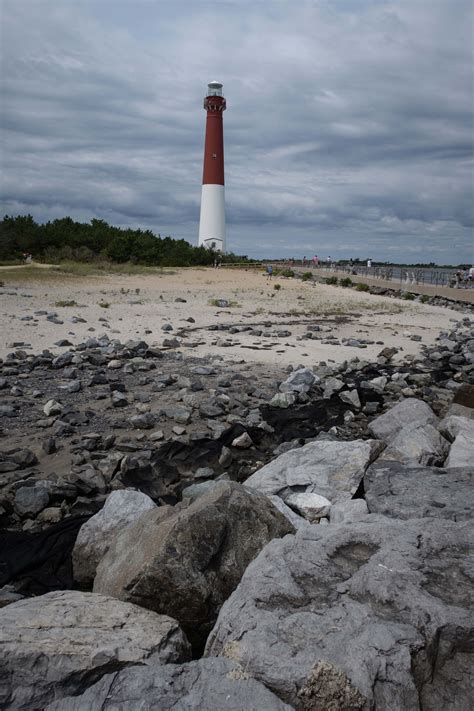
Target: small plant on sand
(66, 302)
(345, 282)
(277, 287)
(408, 296)
(289, 273)
(424, 298)
(307, 276)
(104, 304)
(332, 281)
(362, 287)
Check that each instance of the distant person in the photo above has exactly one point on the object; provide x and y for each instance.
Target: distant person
(269, 272)
(304, 261)
(471, 274)
(315, 260)
(369, 264)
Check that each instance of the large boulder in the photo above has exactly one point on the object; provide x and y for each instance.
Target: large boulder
(405, 412)
(300, 381)
(371, 615)
(419, 492)
(421, 444)
(203, 685)
(186, 563)
(58, 644)
(331, 469)
(461, 453)
(120, 510)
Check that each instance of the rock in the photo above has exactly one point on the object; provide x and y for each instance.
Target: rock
(373, 614)
(194, 491)
(52, 407)
(399, 491)
(114, 364)
(300, 381)
(400, 415)
(118, 399)
(188, 562)
(331, 386)
(422, 444)
(48, 445)
(144, 421)
(203, 685)
(243, 441)
(348, 511)
(351, 397)
(329, 468)
(178, 413)
(30, 500)
(463, 402)
(121, 509)
(283, 400)
(461, 452)
(311, 506)
(54, 644)
(453, 425)
(296, 520)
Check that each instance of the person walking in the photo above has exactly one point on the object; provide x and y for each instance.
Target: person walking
(269, 272)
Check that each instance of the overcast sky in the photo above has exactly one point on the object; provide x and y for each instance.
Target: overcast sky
(348, 132)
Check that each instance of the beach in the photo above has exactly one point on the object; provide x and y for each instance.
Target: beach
(41, 308)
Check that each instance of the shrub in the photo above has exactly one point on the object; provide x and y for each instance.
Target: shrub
(277, 287)
(287, 273)
(307, 276)
(362, 287)
(345, 282)
(408, 296)
(424, 298)
(332, 281)
(104, 304)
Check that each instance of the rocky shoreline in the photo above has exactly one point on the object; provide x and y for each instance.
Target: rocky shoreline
(301, 533)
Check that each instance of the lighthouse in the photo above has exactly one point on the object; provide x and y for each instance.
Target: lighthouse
(212, 222)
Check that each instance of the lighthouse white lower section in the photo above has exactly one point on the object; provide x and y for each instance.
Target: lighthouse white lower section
(212, 223)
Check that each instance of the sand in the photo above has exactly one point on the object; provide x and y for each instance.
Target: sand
(137, 306)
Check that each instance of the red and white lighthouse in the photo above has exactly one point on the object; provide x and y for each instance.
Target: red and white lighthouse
(212, 222)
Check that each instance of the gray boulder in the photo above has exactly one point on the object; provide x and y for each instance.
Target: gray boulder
(419, 492)
(188, 562)
(405, 412)
(203, 685)
(347, 511)
(296, 520)
(420, 443)
(371, 615)
(453, 425)
(461, 453)
(121, 509)
(300, 381)
(57, 644)
(329, 468)
(30, 500)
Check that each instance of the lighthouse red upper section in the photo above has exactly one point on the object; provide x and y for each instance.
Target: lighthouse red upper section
(213, 173)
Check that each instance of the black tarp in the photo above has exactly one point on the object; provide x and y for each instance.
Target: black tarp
(37, 563)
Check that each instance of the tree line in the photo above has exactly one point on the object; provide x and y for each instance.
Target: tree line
(64, 239)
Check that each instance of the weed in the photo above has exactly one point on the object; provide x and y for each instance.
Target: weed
(104, 304)
(66, 302)
(362, 287)
(408, 296)
(424, 298)
(307, 276)
(332, 281)
(277, 287)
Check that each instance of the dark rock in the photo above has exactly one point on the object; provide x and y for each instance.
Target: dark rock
(30, 500)
(118, 399)
(188, 562)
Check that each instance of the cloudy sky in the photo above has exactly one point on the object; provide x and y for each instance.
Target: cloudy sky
(348, 130)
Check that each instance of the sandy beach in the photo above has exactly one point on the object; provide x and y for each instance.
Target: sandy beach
(138, 306)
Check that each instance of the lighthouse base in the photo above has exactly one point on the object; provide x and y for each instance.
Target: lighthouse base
(212, 222)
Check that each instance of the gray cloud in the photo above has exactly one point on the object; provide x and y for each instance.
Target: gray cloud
(349, 127)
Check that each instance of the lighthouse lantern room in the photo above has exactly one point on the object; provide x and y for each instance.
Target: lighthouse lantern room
(212, 222)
